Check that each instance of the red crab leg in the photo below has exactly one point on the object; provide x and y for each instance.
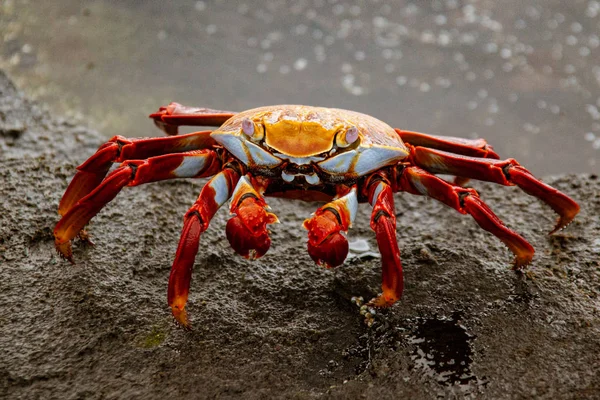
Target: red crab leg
(466, 201)
(131, 173)
(466, 147)
(383, 222)
(326, 244)
(119, 149)
(213, 195)
(170, 117)
(247, 229)
(505, 172)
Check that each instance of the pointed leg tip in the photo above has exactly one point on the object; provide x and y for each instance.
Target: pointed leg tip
(559, 226)
(523, 256)
(563, 221)
(520, 263)
(382, 301)
(181, 317)
(64, 250)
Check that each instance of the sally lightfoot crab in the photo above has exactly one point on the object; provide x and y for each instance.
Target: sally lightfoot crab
(339, 157)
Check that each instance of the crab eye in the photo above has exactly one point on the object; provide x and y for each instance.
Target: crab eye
(256, 132)
(248, 127)
(345, 139)
(351, 135)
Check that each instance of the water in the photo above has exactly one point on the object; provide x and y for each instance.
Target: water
(443, 351)
(522, 75)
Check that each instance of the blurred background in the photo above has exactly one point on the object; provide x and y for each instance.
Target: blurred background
(524, 74)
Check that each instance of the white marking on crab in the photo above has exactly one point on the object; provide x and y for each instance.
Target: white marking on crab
(287, 177)
(190, 166)
(219, 185)
(299, 160)
(233, 144)
(260, 156)
(378, 190)
(436, 162)
(240, 185)
(245, 151)
(312, 179)
(351, 202)
(274, 116)
(289, 117)
(339, 164)
(363, 160)
(419, 186)
(376, 157)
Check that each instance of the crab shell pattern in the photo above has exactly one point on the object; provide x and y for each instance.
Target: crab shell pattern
(336, 156)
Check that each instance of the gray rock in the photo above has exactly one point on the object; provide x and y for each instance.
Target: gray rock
(282, 327)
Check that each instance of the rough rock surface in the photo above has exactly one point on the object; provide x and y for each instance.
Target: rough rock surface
(282, 327)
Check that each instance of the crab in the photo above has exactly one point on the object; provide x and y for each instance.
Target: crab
(335, 156)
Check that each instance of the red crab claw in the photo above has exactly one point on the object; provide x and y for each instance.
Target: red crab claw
(331, 251)
(327, 246)
(247, 230)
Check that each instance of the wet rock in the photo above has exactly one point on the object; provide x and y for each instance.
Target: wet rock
(280, 326)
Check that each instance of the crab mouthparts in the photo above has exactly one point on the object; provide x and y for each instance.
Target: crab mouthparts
(290, 172)
(295, 169)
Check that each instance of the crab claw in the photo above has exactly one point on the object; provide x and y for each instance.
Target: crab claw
(330, 252)
(247, 230)
(327, 246)
(250, 241)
